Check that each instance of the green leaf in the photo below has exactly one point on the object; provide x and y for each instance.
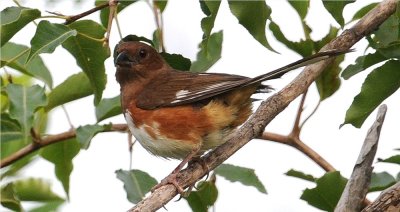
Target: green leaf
(301, 7)
(8, 198)
(10, 129)
(136, 183)
(243, 175)
(392, 50)
(327, 193)
(379, 84)
(303, 47)
(161, 4)
(333, 31)
(68, 90)
(253, 16)
(61, 155)
(362, 63)
(90, 53)
(363, 11)
(329, 82)
(388, 32)
(393, 159)
(108, 108)
(48, 37)
(204, 197)
(24, 101)
(381, 181)
(49, 206)
(15, 55)
(209, 54)
(15, 168)
(13, 19)
(84, 134)
(105, 13)
(207, 23)
(34, 189)
(335, 8)
(301, 175)
(177, 61)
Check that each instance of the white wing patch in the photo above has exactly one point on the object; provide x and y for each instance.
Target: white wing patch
(184, 95)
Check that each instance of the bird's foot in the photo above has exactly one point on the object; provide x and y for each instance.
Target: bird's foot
(170, 179)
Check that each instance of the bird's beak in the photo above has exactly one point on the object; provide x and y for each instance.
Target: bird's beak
(123, 59)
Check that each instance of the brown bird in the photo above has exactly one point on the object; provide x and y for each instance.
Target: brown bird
(176, 114)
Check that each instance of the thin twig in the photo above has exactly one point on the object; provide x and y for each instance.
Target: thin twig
(296, 128)
(74, 18)
(51, 139)
(311, 114)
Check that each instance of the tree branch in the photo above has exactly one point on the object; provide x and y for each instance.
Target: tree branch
(51, 139)
(357, 187)
(71, 19)
(268, 109)
(388, 198)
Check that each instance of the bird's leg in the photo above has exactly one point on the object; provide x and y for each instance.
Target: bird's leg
(171, 178)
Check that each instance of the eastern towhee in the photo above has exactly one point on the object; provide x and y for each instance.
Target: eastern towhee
(177, 114)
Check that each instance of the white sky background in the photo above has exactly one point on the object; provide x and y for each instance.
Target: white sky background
(94, 186)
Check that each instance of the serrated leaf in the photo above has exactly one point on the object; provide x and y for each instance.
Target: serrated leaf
(362, 63)
(329, 82)
(207, 23)
(90, 53)
(335, 8)
(24, 101)
(393, 159)
(108, 108)
(177, 61)
(136, 183)
(68, 90)
(61, 155)
(48, 37)
(105, 13)
(209, 54)
(15, 55)
(34, 189)
(243, 175)
(301, 175)
(253, 16)
(84, 134)
(204, 197)
(8, 198)
(326, 194)
(301, 7)
(303, 47)
(13, 19)
(363, 11)
(381, 181)
(10, 129)
(379, 84)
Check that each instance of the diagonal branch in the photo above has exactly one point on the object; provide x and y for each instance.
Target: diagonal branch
(268, 109)
(357, 187)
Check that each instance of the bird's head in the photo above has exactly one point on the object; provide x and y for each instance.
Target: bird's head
(136, 59)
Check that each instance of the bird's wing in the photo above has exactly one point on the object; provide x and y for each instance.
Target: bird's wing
(177, 88)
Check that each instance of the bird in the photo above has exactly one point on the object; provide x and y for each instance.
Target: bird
(180, 114)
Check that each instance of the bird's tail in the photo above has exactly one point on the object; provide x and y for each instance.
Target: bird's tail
(300, 63)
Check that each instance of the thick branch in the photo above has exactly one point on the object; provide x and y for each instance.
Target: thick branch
(51, 139)
(357, 187)
(388, 198)
(268, 109)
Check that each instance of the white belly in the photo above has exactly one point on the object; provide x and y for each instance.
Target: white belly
(156, 143)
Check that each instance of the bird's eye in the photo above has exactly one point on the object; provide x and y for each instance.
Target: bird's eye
(142, 53)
